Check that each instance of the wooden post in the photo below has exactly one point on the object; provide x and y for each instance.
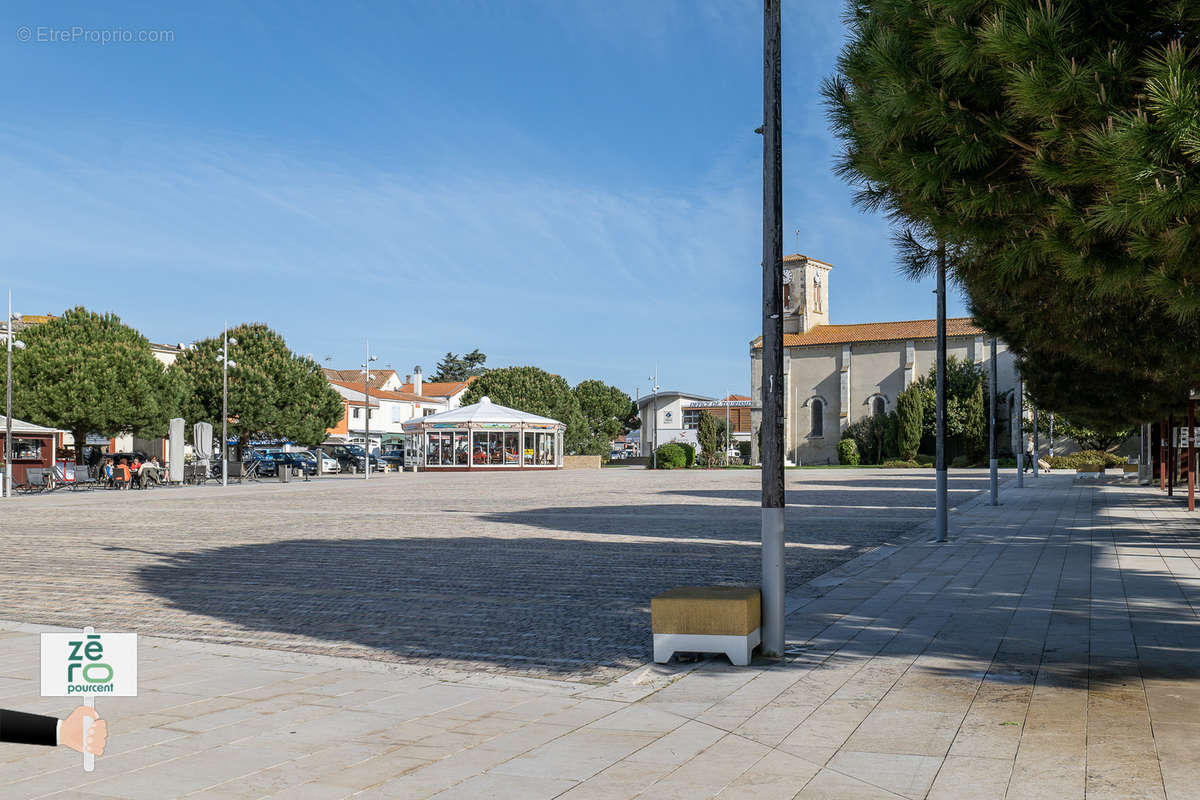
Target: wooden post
(773, 580)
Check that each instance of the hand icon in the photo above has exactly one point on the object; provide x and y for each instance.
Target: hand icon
(72, 731)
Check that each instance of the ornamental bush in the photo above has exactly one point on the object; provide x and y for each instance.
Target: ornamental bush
(896, 464)
(669, 456)
(847, 450)
(689, 453)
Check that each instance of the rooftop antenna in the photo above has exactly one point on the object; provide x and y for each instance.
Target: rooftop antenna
(797, 241)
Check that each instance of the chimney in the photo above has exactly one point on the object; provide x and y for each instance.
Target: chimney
(408, 378)
(417, 379)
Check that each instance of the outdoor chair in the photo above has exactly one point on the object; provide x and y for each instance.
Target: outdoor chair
(83, 480)
(35, 480)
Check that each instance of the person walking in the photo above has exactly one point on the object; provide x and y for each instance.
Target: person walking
(1029, 454)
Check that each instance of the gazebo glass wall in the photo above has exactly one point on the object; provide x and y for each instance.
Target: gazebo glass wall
(485, 436)
(491, 446)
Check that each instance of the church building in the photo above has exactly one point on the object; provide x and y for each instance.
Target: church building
(835, 375)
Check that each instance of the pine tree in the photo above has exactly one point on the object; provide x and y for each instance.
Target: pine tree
(1051, 147)
(89, 373)
(272, 391)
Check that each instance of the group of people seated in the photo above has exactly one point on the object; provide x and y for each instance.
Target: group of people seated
(127, 473)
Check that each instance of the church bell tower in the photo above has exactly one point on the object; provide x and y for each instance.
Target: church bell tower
(805, 293)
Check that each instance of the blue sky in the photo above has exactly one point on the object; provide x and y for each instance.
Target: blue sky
(573, 185)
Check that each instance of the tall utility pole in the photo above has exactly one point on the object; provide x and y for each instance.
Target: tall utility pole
(993, 463)
(366, 371)
(941, 523)
(1020, 399)
(773, 587)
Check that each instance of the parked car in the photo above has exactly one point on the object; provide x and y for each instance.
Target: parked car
(295, 461)
(393, 457)
(329, 464)
(267, 467)
(352, 457)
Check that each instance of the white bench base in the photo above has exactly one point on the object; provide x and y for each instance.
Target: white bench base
(738, 648)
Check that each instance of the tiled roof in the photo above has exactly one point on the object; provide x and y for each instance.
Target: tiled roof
(877, 332)
(442, 388)
(380, 394)
(736, 397)
(350, 376)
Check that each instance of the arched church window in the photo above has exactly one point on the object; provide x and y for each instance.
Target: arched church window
(817, 410)
(878, 406)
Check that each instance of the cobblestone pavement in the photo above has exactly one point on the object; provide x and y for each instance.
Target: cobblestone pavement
(1050, 651)
(543, 573)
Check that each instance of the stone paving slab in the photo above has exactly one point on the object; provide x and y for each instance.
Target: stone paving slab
(1049, 651)
(549, 574)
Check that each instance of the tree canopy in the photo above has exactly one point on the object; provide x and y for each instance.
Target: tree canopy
(88, 372)
(458, 368)
(272, 391)
(607, 413)
(538, 392)
(1054, 148)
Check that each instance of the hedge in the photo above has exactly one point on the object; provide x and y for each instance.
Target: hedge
(670, 456)
(847, 451)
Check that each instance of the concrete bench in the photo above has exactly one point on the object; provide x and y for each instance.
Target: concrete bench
(707, 619)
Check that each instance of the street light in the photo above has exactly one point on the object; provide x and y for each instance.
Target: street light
(9, 338)
(226, 363)
(654, 388)
(366, 371)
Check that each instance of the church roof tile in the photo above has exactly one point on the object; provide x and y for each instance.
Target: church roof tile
(877, 332)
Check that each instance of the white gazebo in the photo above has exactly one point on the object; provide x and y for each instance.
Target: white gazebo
(485, 436)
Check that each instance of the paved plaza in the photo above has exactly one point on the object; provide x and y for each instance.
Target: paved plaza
(550, 574)
(1049, 651)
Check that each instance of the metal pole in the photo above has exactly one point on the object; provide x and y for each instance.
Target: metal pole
(367, 410)
(1037, 445)
(941, 521)
(1162, 455)
(6, 486)
(773, 580)
(225, 406)
(1170, 455)
(1020, 432)
(1191, 455)
(1050, 438)
(993, 462)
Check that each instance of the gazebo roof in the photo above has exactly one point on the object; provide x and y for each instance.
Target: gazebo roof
(485, 411)
(21, 426)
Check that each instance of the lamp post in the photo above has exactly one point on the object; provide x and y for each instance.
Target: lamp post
(993, 462)
(654, 400)
(226, 363)
(9, 337)
(1020, 402)
(366, 372)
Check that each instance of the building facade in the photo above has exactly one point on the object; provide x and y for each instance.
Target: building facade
(675, 417)
(836, 375)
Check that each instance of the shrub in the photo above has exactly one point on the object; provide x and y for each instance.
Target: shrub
(960, 461)
(744, 451)
(909, 416)
(669, 456)
(924, 461)
(895, 464)
(847, 450)
(689, 453)
(1087, 458)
